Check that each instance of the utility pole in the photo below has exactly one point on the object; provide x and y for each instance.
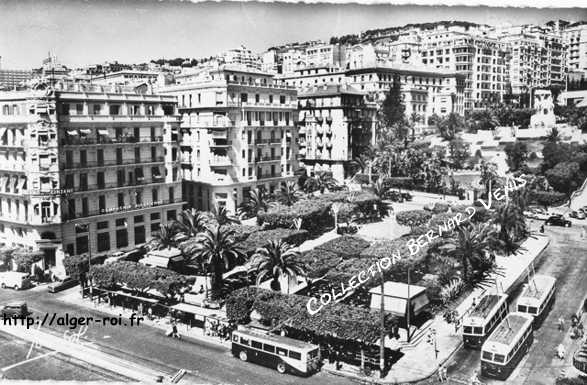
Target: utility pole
(382, 340)
(408, 307)
(432, 341)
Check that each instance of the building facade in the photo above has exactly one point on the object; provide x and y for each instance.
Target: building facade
(575, 42)
(10, 79)
(239, 133)
(335, 123)
(86, 169)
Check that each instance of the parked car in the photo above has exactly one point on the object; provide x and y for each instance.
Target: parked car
(15, 309)
(65, 283)
(558, 220)
(15, 280)
(394, 196)
(407, 196)
(114, 257)
(579, 214)
(541, 214)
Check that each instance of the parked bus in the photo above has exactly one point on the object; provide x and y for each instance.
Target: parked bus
(282, 353)
(506, 346)
(537, 297)
(485, 316)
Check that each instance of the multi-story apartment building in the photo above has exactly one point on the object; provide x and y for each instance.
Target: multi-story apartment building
(336, 122)
(575, 43)
(86, 169)
(482, 60)
(537, 57)
(239, 133)
(10, 79)
(243, 57)
(325, 55)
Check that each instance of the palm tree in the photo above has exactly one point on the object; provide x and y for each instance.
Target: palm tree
(164, 238)
(488, 175)
(277, 259)
(321, 182)
(218, 250)
(512, 226)
(223, 217)
(553, 136)
(190, 223)
(256, 201)
(474, 248)
(288, 194)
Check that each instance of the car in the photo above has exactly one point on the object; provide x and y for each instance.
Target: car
(394, 196)
(579, 214)
(541, 214)
(63, 284)
(557, 220)
(15, 280)
(407, 196)
(15, 309)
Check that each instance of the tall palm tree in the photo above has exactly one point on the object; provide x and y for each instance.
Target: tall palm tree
(488, 175)
(190, 223)
(275, 260)
(474, 247)
(512, 226)
(218, 249)
(223, 217)
(256, 201)
(164, 238)
(288, 194)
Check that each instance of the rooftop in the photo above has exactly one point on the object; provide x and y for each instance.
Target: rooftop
(398, 290)
(277, 339)
(485, 306)
(329, 90)
(538, 286)
(508, 328)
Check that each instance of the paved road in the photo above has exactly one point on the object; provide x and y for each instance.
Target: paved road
(565, 259)
(148, 346)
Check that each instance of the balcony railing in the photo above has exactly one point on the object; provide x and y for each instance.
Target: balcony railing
(125, 184)
(106, 140)
(71, 216)
(268, 175)
(112, 162)
(220, 161)
(269, 159)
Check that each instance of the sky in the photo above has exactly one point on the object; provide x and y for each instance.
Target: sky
(82, 32)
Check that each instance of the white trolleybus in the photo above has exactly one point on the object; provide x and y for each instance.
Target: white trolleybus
(282, 353)
(485, 316)
(537, 296)
(506, 346)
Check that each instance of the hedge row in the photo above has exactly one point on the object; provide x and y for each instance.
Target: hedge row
(261, 238)
(319, 262)
(346, 246)
(314, 213)
(241, 232)
(335, 320)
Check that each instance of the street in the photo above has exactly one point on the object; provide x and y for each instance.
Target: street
(150, 347)
(565, 260)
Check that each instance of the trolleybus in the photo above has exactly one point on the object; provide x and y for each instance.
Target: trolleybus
(506, 346)
(282, 353)
(537, 297)
(485, 316)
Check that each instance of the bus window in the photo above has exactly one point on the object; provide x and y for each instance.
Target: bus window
(467, 330)
(477, 330)
(256, 345)
(269, 348)
(281, 351)
(522, 309)
(313, 354)
(235, 338)
(487, 356)
(244, 341)
(295, 355)
(532, 310)
(499, 358)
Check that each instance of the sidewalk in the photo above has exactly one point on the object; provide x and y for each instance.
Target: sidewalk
(419, 361)
(188, 334)
(84, 353)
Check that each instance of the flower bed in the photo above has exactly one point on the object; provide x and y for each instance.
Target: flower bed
(261, 238)
(241, 232)
(346, 246)
(413, 218)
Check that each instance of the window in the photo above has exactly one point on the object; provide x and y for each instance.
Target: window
(102, 203)
(281, 99)
(256, 345)
(281, 351)
(522, 308)
(120, 222)
(138, 219)
(155, 216)
(100, 179)
(85, 207)
(139, 235)
(121, 238)
(155, 197)
(244, 97)
(269, 348)
(532, 310)
(171, 215)
(103, 242)
(97, 109)
(120, 199)
(487, 356)
(154, 228)
(499, 358)
(102, 225)
(79, 109)
(295, 355)
(81, 244)
(468, 330)
(171, 194)
(477, 330)
(244, 341)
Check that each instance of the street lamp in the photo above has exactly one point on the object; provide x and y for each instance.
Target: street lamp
(432, 341)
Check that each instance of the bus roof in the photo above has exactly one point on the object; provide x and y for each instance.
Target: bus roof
(486, 308)
(277, 339)
(538, 288)
(508, 331)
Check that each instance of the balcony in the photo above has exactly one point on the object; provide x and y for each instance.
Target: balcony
(220, 161)
(116, 185)
(117, 118)
(112, 162)
(114, 210)
(269, 175)
(217, 123)
(72, 141)
(14, 144)
(319, 143)
(220, 143)
(268, 159)
(320, 130)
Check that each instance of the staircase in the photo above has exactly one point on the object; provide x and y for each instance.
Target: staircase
(417, 337)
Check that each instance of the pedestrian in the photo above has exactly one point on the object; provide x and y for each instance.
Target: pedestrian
(140, 309)
(475, 379)
(542, 229)
(174, 333)
(444, 373)
(440, 377)
(150, 313)
(561, 324)
(560, 351)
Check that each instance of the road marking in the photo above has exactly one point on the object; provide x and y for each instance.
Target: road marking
(27, 361)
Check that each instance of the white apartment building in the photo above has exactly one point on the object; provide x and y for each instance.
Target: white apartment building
(242, 56)
(124, 77)
(325, 55)
(537, 57)
(335, 123)
(575, 43)
(238, 134)
(482, 60)
(86, 169)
